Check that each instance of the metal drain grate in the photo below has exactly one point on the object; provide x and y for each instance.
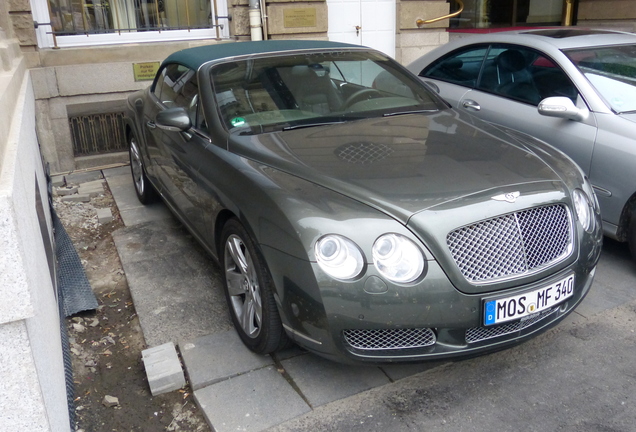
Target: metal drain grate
(382, 339)
(477, 334)
(98, 133)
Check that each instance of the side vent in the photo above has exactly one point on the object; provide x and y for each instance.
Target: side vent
(98, 133)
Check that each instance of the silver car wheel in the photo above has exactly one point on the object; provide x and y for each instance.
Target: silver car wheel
(243, 286)
(136, 166)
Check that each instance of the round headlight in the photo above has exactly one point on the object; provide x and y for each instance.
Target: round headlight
(397, 258)
(583, 208)
(339, 257)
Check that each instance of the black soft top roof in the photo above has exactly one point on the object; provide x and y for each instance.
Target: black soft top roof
(195, 57)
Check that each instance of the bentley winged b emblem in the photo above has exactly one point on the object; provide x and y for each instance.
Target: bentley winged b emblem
(508, 197)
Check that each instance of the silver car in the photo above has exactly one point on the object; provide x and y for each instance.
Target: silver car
(573, 88)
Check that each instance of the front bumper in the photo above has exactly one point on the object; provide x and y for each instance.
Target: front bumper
(353, 323)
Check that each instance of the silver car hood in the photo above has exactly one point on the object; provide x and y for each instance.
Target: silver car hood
(400, 165)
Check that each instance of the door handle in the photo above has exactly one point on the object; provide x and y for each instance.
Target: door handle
(471, 104)
(358, 28)
(151, 124)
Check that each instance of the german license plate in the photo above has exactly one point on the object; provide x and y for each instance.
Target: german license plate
(515, 307)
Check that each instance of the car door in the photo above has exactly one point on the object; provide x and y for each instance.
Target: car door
(183, 153)
(512, 81)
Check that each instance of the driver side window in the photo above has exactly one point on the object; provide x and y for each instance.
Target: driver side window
(523, 74)
(177, 86)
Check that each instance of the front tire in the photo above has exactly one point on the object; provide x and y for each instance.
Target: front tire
(145, 191)
(249, 292)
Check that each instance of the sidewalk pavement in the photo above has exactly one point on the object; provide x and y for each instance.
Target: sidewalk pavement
(178, 295)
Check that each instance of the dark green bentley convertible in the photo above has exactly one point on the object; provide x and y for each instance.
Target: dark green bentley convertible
(352, 211)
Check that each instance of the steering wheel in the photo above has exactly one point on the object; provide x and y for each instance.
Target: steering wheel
(360, 95)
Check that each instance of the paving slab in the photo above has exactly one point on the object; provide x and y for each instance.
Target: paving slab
(83, 177)
(322, 381)
(217, 357)
(131, 210)
(175, 287)
(251, 402)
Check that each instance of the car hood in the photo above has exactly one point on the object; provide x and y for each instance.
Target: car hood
(402, 164)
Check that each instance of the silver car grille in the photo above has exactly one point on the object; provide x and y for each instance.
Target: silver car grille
(478, 334)
(382, 339)
(513, 244)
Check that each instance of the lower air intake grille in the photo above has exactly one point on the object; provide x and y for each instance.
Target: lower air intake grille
(512, 244)
(478, 334)
(383, 339)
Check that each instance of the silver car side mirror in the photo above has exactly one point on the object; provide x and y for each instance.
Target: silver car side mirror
(174, 119)
(561, 107)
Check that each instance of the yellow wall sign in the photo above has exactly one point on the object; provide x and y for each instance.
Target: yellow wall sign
(145, 71)
(305, 17)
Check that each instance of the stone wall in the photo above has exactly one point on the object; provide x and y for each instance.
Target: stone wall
(612, 14)
(32, 385)
(413, 41)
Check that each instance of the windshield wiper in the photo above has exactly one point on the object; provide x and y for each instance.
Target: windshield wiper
(307, 125)
(409, 112)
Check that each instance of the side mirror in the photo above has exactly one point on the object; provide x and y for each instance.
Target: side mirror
(173, 119)
(561, 107)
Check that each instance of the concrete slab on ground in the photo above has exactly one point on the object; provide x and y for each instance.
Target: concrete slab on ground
(322, 381)
(175, 288)
(217, 357)
(131, 210)
(251, 402)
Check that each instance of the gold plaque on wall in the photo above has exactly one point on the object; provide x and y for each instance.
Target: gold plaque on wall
(145, 71)
(305, 17)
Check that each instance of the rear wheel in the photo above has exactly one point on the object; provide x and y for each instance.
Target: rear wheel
(249, 292)
(145, 191)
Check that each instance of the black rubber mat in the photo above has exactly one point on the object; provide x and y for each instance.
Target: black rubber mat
(76, 294)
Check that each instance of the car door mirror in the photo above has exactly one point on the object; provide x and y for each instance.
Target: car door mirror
(561, 107)
(174, 119)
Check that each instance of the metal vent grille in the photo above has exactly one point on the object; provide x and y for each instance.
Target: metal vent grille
(382, 339)
(363, 153)
(513, 244)
(478, 334)
(98, 133)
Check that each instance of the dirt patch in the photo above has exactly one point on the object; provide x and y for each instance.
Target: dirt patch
(106, 344)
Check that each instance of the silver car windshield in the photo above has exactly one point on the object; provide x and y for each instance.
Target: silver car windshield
(283, 92)
(612, 71)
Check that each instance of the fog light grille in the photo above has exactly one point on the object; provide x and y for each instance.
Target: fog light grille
(513, 244)
(478, 334)
(382, 339)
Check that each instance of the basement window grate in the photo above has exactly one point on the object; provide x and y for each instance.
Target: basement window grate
(98, 133)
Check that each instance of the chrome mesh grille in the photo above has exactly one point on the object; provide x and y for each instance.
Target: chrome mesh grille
(381, 339)
(512, 244)
(478, 334)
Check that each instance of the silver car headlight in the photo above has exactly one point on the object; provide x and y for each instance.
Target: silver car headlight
(339, 257)
(583, 208)
(397, 258)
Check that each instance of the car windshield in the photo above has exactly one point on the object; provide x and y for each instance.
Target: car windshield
(285, 92)
(612, 71)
